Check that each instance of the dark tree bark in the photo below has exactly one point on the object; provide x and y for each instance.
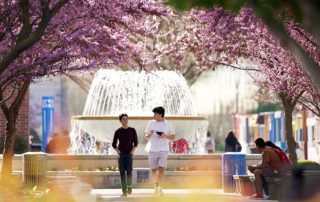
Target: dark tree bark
(289, 104)
(11, 114)
(26, 39)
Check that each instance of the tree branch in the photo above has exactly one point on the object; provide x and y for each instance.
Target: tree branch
(279, 31)
(28, 42)
(11, 94)
(15, 106)
(4, 106)
(235, 67)
(311, 17)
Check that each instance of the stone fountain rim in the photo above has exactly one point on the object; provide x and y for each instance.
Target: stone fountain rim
(138, 117)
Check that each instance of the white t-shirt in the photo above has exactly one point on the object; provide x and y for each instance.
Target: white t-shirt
(159, 143)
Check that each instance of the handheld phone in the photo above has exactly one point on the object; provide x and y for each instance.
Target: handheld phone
(159, 133)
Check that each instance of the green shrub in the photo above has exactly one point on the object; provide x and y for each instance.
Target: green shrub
(219, 147)
(308, 165)
(20, 145)
(306, 161)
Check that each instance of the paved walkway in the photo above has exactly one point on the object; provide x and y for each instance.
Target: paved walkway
(174, 195)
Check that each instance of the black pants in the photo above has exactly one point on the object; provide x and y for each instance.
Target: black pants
(125, 164)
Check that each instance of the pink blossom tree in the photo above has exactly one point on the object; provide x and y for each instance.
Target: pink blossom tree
(55, 37)
(311, 98)
(273, 14)
(227, 38)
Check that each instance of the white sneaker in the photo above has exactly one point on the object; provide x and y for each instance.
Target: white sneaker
(160, 191)
(156, 190)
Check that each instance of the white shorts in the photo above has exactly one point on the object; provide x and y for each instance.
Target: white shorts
(158, 159)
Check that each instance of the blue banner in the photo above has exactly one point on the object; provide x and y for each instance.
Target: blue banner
(47, 120)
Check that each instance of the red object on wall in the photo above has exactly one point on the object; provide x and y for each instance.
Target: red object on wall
(180, 146)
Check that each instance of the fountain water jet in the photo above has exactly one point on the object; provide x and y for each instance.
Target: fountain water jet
(136, 93)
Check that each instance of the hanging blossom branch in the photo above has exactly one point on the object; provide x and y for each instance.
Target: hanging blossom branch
(86, 33)
(223, 37)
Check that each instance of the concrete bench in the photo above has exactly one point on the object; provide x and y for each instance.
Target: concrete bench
(244, 184)
(274, 185)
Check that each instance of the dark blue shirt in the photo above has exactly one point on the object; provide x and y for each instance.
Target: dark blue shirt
(127, 138)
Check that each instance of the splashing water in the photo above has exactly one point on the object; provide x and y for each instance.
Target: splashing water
(114, 92)
(135, 93)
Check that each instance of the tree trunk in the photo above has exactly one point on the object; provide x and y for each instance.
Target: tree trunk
(288, 107)
(11, 114)
(8, 151)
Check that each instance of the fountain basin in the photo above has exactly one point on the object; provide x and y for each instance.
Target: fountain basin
(191, 128)
(208, 173)
(136, 94)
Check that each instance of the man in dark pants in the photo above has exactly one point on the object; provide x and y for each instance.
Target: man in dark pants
(128, 142)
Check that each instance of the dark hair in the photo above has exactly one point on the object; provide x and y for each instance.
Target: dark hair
(122, 115)
(208, 134)
(231, 139)
(260, 142)
(159, 110)
(271, 144)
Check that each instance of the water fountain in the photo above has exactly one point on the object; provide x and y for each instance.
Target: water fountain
(136, 93)
(114, 92)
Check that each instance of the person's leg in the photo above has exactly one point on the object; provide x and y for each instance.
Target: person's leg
(155, 175)
(121, 164)
(268, 172)
(153, 161)
(129, 173)
(265, 186)
(161, 176)
(156, 181)
(162, 165)
(258, 179)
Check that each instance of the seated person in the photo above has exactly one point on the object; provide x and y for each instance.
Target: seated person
(53, 145)
(271, 144)
(273, 160)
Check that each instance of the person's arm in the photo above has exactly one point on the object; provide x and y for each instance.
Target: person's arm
(135, 141)
(148, 135)
(148, 131)
(265, 160)
(169, 137)
(264, 164)
(114, 142)
(171, 132)
(132, 150)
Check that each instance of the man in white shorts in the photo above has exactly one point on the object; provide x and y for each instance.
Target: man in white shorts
(159, 132)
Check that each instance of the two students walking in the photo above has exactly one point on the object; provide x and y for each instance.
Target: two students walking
(159, 131)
